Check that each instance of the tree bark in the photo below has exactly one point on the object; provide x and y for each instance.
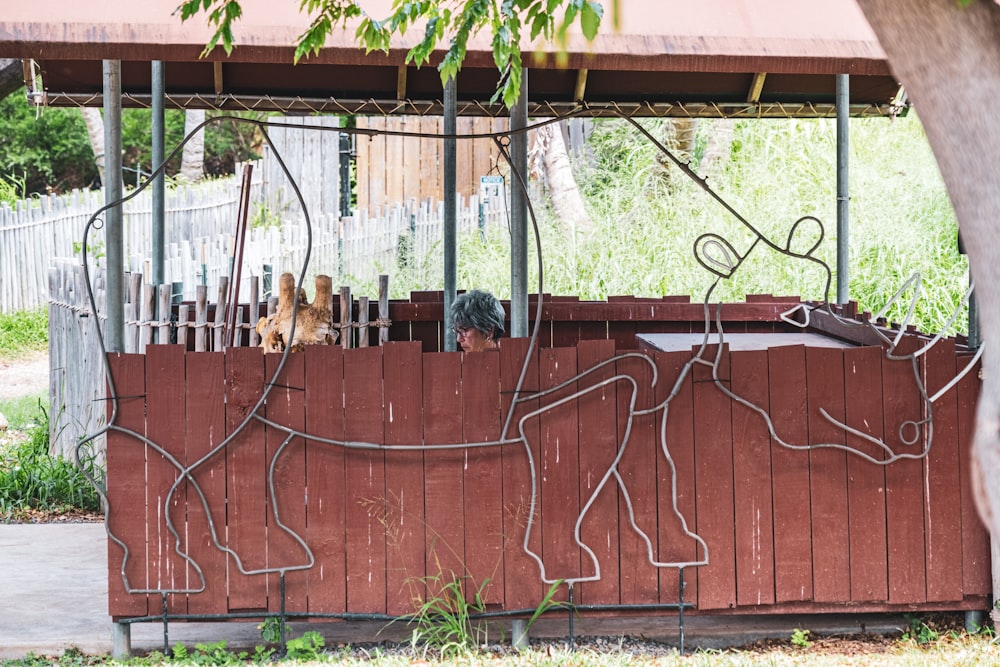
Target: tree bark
(193, 156)
(95, 130)
(11, 76)
(563, 190)
(948, 59)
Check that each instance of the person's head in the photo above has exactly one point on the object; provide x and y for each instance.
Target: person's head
(477, 318)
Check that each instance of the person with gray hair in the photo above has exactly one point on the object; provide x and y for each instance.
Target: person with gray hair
(477, 319)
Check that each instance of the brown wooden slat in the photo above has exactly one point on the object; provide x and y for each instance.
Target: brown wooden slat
(638, 578)
(404, 470)
(713, 436)
(903, 482)
(565, 334)
(598, 447)
(246, 478)
(559, 468)
(410, 163)
(942, 479)
(167, 570)
(430, 168)
(286, 515)
(205, 429)
(751, 464)
(467, 178)
(362, 147)
(125, 472)
(623, 333)
(828, 476)
(377, 181)
(679, 413)
(444, 490)
(364, 421)
(325, 478)
(866, 480)
(393, 160)
(481, 416)
(976, 577)
(790, 475)
(521, 574)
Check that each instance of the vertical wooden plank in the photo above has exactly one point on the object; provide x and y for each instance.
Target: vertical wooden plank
(828, 476)
(716, 513)
(126, 469)
(942, 479)
(559, 467)
(976, 574)
(752, 466)
(443, 480)
(598, 448)
(521, 573)
(468, 179)
(638, 578)
(394, 165)
(325, 478)
(903, 481)
(362, 147)
(164, 411)
(378, 175)
(430, 158)
(286, 460)
(484, 509)
(365, 476)
(246, 477)
(677, 436)
(205, 430)
(866, 480)
(790, 475)
(404, 472)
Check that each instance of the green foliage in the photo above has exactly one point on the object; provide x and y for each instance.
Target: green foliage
(12, 189)
(443, 620)
(800, 638)
(919, 632)
(308, 647)
(24, 331)
(48, 149)
(32, 479)
(441, 24)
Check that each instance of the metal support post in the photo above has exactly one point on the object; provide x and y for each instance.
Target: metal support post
(114, 238)
(159, 206)
(519, 215)
(843, 189)
(450, 214)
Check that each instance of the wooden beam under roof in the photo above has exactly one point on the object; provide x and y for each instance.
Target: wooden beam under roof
(756, 86)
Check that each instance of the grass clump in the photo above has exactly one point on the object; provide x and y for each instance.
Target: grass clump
(32, 480)
(24, 331)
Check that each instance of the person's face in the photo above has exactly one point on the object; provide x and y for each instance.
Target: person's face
(473, 340)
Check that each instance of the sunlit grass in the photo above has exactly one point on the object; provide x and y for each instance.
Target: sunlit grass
(647, 218)
(23, 331)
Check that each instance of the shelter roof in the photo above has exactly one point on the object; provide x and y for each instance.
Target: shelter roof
(736, 58)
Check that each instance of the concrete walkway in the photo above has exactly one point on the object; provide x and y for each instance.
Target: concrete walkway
(54, 596)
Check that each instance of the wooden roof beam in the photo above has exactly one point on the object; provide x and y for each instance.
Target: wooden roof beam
(581, 85)
(756, 86)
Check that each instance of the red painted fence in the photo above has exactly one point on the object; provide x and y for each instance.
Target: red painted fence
(357, 529)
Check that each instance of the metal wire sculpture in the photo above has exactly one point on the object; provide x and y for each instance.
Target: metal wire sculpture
(717, 255)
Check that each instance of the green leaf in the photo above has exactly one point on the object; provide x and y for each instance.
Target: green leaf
(590, 19)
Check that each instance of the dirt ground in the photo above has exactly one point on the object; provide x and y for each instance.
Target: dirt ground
(27, 375)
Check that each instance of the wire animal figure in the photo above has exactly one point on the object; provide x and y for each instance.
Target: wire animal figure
(717, 256)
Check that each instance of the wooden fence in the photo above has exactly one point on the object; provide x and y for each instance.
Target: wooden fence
(395, 168)
(787, 531)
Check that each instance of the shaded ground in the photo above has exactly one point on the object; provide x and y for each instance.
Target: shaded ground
(27, 375)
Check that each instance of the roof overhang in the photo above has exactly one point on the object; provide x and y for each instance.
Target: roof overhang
(713, 58)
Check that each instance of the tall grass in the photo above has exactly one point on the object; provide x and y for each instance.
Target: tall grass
(24, 331)
(648, 216)
(31, 479)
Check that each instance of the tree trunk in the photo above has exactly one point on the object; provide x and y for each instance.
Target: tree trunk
(95, 130)
(563, 190)
(193, 157)
(948, 59)
(11, 76)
